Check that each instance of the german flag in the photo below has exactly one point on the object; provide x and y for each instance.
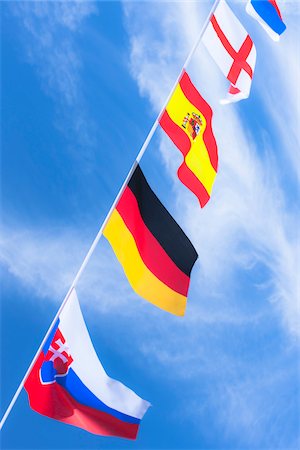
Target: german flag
(156, 255)
(187, 121)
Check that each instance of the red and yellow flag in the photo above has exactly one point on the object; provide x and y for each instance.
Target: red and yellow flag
(187, 121)
(156, 255)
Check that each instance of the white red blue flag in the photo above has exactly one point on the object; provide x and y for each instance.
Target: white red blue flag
(68, 382)
(232, 49)
(267, 13)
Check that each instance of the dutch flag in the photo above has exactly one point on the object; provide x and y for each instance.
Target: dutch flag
(267, 13)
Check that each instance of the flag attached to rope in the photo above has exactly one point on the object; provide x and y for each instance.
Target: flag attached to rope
(187, 121)
(156, 255)
(232, 49)
(69, 384)
(267, 13)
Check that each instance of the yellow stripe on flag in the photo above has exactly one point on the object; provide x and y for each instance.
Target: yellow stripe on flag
(139, 276)
(197, 158)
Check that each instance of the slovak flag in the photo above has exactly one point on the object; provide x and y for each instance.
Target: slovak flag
(233, 50)
(69, 384)
(267, 13)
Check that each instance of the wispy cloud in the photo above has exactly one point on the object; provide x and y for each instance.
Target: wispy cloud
(225, 345)
(247, 225)
(246, 237)
(46, 262)
(249, 219)
(48, 32)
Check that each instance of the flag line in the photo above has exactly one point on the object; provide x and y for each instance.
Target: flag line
(100, 232)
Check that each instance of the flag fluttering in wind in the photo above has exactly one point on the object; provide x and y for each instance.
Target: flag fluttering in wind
(66, 380)
(268, 15)
(156, 255)
(233, 51)
(187, 121)
(69, 384)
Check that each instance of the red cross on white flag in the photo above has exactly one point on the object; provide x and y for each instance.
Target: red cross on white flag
(232, 49)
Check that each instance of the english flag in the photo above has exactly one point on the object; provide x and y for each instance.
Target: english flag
(233, 51)
(69, 384)
(268, 15)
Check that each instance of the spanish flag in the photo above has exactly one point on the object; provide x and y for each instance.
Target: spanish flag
(187, 121)
(156, 255)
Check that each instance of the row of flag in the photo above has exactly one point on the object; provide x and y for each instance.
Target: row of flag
(67, 381)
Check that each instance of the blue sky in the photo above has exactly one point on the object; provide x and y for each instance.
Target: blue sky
(82, 84)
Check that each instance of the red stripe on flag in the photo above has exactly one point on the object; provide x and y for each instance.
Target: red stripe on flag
(239, 58)
(240, 62)
(197, 100)
(273, 2)
(175, 133)
(186, 176)
(152, 253)
(53, 401)
(233, 90)
(189, 179)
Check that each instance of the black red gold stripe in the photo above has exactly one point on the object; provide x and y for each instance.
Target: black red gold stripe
(156, 255)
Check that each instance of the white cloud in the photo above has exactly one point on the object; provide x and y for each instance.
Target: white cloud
(201, 353)
(245, 224)
(279, 87)
(47, 32)
(245, 229)
(253, 398)
(248, 220)
(46, 262)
